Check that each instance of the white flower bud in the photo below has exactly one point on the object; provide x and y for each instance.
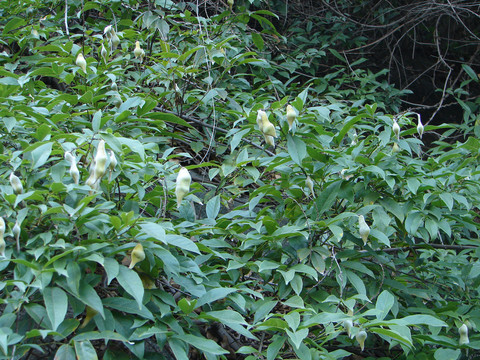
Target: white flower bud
(348, 324)
(183, 185)
(395, 148)
(108, 30)
(16, 184)
(16, 233)
(138, 52)
(115, 40)
(103, 53)
(81, 62)
(69, 157)
(420, 127)
(2, 241)
(270, 140)
(396, 129)
(291, 116)
(463, 332)
(74, 173)
(136, 256)
(361, 337)
(100, 161)
(112, 164)
(363, 229)
(309, 183)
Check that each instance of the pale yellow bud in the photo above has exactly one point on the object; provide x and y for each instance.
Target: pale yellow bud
(138, 52)
(348, 324)
(309, 183)
(361, 337)
(69, 157)
(115, 40)
(260, 114)
(112, 164)
(16, 184)
(16, 233)
(463, 332)
(395, 148)
(90, 314)
(363, 229)
(103, 53)
(137, 255)
(81, 63)
(291, 116)
(183, 185)
(113, 161)
(2, 241)
(396, 129)
(230, 4)
(108, 30)
(270, 140)
(100, 161)
(74, 173)
(420, 127)
(267, 127)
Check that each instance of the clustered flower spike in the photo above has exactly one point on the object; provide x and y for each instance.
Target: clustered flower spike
(136, 256)
(183, 185)
(16, 233)
(363, 229)
(266, 127)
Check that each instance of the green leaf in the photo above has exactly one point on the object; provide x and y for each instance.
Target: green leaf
(296, 149)
(41, 154)
(258, 40)
(202, 344)
(421, 320)
(447, 199)
(131, 282)
(89, 296)
(178, 349)
(447, 354)
(392, 334)
(56, 304)
(112, 269)
(103, 335)
(187, 306)
(296, 337)
(129, 306)
(65, 352)
(84, 350)
(384, 303)
(356, 282)
(470, 72)
(213, 207)
(214, 295)
(275, 346)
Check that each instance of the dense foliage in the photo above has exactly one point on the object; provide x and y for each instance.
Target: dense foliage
(267, 256)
